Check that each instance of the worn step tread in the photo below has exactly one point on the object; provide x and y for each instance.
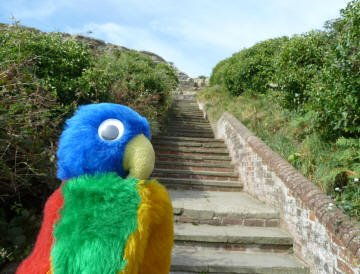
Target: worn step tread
(208, 260)
(189, 118)
(217, 151)
(231, 234)
(179, 126)
(201, 182)
(195, 139)
(190, 125)
(188, 131)
(196, 172)
(188, 128)
(202, 122)
(180, 110)
(187, 134)
(219, 203)
(161, 143)
(172, 131)
(193, 164)
(210, 157)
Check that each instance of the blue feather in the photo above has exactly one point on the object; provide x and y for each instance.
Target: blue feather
(82, 151)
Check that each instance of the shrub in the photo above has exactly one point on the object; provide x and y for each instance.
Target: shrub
(298, 65)
(337, 97)
(58, 62)
(43, 78)
(250, 70)
(219, 72)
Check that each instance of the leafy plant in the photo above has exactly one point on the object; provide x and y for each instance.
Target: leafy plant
(297, 67)
(336, 98)
(250, 70)
(17, 233)
(43, 78)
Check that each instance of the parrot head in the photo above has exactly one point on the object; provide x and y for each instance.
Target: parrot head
(105, 138)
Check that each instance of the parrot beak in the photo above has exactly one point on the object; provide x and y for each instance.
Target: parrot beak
(139, 157)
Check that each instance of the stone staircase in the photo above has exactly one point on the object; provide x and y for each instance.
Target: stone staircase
(218, 227)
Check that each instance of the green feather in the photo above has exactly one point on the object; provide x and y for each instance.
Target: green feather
(99, 215)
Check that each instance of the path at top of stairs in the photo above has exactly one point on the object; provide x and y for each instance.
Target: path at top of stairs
(218, 227)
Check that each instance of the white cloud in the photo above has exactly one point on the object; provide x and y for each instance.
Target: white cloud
(131, 37)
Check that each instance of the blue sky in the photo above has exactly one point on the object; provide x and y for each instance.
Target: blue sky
(194, 34)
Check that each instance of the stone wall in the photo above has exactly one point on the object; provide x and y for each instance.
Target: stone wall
(324, 237)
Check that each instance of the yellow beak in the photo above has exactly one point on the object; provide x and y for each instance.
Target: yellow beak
(139, 157)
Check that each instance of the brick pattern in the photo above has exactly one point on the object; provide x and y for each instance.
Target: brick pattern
(327, 240)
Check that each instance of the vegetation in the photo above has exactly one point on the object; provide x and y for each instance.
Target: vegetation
(43, 78)
(301, 95)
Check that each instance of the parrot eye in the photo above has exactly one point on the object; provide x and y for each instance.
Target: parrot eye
(111, 130)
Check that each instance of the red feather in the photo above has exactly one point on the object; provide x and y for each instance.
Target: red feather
(38, 262)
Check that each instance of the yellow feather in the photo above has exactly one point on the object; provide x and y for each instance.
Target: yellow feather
(148, 249)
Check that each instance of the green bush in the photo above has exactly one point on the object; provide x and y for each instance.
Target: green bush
(250, 70)
(43, 78)
(58, 62)
(337, 97)
(298, 65)
(218, 72)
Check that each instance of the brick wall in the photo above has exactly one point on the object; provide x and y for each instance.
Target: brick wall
(324, 237)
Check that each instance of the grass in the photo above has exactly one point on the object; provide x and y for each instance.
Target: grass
(333, 166)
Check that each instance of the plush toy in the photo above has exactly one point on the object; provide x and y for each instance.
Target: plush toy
(105, 217)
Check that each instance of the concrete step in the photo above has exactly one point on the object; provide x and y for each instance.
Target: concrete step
(194, 175)
(188, 113)
(200, 184)
(166, 156)
(194, 166)
(166, 143)
(185, 97)
(171, 130)
(183, 124)
(208, 260)
(201, 121)
(173, 126)
(186, 110)
(190, 134)
(187, 118)
(235, 237)
(191, 139)
(186, 104)
(200, 150)
(221, 208)
(220, 174)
